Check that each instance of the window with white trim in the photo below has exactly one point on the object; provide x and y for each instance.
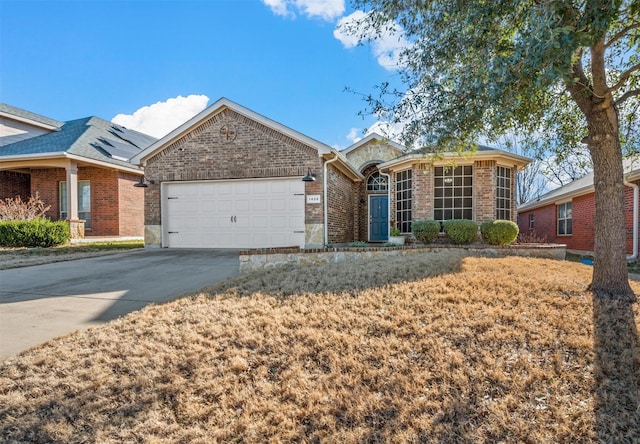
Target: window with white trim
(377, 182)
(403, 201)
(453, 193)
(531, 221)
(84, 201)
(565, 219)
(503, 193)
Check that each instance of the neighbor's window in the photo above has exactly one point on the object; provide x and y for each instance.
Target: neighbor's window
(453, 193)
(565, 219)
(531, 221)
(84, 201)
(377, 182)
(403, 201)
(503, 193)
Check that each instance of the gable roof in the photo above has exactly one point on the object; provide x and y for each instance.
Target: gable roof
(369, 138)
(89, 139)
(19, 114)
(216, 108)
(223, 104)
(583, 185)
(482, 153)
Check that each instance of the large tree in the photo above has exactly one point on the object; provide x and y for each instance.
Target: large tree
(480, 68)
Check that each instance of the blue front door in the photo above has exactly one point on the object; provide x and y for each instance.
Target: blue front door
(378, 218)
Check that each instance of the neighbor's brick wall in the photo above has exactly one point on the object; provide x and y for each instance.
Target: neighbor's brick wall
(13, 184)
(131, 208)
(341, 205)
(46, 183)
(107, 188)
(254, 151)
(584, 210)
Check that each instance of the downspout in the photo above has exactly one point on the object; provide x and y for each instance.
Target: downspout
(634, 255)
(326, 205)
(388, 176)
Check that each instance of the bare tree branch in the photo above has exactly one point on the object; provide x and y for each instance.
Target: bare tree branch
(627, 95)
(622, 33)
(624, 77)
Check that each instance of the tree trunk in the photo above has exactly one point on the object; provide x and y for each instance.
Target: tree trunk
(610, 275)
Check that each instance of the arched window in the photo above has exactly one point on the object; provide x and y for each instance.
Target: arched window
(377, 182)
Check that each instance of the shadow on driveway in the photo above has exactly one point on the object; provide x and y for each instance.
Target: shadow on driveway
(40, 302)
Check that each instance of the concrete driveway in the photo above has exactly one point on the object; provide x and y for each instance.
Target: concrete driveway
(41, 302)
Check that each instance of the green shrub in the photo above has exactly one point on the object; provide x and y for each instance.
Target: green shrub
(425, 231)
(34, 233)
(461, 231)
(499, 232)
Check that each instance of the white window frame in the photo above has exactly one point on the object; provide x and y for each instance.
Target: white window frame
(563, 216)
(377, 183)
(503, 193)
(453, 192)
(84, 201)
(404, 200)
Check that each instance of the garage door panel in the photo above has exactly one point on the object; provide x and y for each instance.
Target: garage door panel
(235, 214)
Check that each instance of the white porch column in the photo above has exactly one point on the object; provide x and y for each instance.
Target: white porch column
(72, 191)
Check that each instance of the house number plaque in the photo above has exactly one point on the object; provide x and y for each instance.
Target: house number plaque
(313, 198)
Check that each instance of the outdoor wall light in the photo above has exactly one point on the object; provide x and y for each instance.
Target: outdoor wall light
(310, 177)
(141, 183)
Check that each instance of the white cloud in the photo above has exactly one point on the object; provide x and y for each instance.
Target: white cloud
(162, 117)
(386, 47)
(354, 135)
(324, 9)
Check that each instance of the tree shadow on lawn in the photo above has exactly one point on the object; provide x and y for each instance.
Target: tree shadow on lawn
(616, 371)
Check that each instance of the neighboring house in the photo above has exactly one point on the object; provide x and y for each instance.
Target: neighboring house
(566, 214)
(79, 168)
(232, 178)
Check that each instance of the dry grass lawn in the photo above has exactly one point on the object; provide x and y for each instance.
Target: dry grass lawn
(463, 350)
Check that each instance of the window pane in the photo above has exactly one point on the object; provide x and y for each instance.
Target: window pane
(561, 212)
(569, 226)
(561, 227)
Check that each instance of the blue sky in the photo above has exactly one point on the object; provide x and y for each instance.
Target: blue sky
(280, 58)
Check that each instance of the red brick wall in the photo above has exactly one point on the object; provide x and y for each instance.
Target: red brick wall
(109, 188)
(131, 205)
(545, 222)
(341, 205)
(14, 184)
(254, 151)
(46, 183)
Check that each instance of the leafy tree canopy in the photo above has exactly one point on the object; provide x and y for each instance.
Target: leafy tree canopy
(483, 68)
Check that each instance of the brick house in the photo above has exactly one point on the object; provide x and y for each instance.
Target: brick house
(566, 215)
(79, 168)
(232, 178)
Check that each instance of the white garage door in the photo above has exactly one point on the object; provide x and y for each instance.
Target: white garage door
(258, 213)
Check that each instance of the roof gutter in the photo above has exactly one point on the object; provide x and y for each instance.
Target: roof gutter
(634, 254)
